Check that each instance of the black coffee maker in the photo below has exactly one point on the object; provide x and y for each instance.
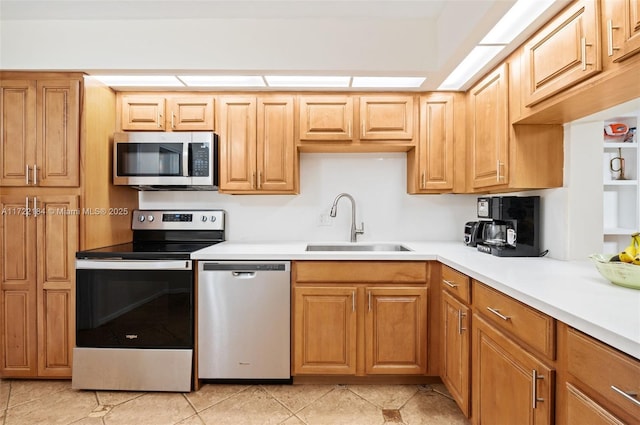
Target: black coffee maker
(513, 227)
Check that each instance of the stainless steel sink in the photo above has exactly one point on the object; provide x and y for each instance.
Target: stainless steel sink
(357, 247)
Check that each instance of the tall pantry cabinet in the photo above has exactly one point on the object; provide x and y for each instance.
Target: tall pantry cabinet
(43, 197)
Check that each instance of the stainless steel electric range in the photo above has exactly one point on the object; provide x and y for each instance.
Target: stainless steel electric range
(135, 304)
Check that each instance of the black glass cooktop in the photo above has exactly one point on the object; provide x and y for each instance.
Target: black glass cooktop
(146, 251)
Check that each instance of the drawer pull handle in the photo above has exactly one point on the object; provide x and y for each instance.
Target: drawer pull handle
(534, 383)
(460, 316)
(497, 313)
(449, 283)
(628, 395)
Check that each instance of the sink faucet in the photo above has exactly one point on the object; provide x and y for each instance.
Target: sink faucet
(354, 230)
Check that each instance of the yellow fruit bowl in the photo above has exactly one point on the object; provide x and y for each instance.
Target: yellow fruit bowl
(623, 274)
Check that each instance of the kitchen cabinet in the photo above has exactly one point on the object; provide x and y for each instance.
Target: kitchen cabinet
(257, 149)
(456, 337)
(566, 51)
(503, 157)
(187, 112)
(352, 123)
(602, 384)
(39, 237)
(621, 29)
(513, 352)
(359, 318)
(489, 136)
(509, 385)
(39, 134)
(431, 166)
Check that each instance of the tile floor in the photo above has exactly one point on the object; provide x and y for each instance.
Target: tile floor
(26, 402)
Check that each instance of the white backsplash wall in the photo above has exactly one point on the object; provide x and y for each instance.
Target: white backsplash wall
(376, 181)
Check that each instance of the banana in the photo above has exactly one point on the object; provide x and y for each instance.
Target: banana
(631, 251)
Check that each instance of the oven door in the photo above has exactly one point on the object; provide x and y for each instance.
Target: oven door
(134, 304)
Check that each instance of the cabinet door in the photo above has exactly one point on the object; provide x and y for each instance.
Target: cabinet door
(456, 347)
(57, 242)
(563, 53)
(510, 386)
(581, 409)
(58, 133)
(276, 151)
(396, 331)
(18, 290)
(143, 113)
(237, 131)
(489, 130)
(622, 28)
(436, 147)
(326, 118)
(17, 131)
(386, 118)
(324, 331)
(191, 113)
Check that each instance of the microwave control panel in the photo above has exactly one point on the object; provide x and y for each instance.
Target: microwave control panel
(199, 159)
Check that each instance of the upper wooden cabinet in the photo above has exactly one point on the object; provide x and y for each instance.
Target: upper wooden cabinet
(430, 166)
(40, 132)
(621, 29)
(489, 132)
(563, 53)
(257, 149)
(167, 112)
(356, 123)
(326, 118)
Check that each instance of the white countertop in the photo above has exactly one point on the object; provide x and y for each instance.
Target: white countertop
(570, 291)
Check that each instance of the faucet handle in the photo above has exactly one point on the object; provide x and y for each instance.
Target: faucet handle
(360, 231)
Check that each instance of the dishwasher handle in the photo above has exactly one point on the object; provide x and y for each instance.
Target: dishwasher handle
(249, 267)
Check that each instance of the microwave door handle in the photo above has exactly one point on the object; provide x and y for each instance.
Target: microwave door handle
(185, 159)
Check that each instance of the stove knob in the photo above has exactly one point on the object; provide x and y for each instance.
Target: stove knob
(213, 218)
(150, 218)
(141, 218)
(204, 218)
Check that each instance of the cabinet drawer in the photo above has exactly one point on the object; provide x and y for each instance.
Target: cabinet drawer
(605, 370)
(457, 283)
(360, 271)
(532, 327)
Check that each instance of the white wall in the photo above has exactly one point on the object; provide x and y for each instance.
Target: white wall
(376, 181)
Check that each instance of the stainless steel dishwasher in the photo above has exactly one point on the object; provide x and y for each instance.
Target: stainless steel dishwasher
(244, 320)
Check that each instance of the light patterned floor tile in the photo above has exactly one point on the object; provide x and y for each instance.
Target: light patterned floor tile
(151, 409)
(253, 406)
(113, 398)
(297, 397)
(61, 407)
(341, 407)
(23, 391)
(212, 394)
(430, 408)
(293, 420)
(385, 396)
(192, 420)
(5, 388)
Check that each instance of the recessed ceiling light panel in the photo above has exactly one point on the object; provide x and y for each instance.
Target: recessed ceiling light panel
(222, 80)
(388, 82)
(306, 81)
(474, 62)
(519, 17)
(139, 80)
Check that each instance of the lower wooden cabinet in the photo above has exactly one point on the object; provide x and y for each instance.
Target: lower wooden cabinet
(509, 385)
(456, 347)
(39, 241)
(581, 409)
(360, 318)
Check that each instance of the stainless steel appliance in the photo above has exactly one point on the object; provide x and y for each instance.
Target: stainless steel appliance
(514, 226)
(244, 320)
(135, 318)
(166, 160)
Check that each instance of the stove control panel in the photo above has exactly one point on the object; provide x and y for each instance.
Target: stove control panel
(178, 220)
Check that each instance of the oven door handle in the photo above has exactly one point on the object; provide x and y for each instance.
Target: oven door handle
(133, 264)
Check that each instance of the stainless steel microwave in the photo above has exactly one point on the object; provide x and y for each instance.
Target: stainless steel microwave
(166, 160)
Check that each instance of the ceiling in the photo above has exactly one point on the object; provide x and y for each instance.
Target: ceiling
(416, 38)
